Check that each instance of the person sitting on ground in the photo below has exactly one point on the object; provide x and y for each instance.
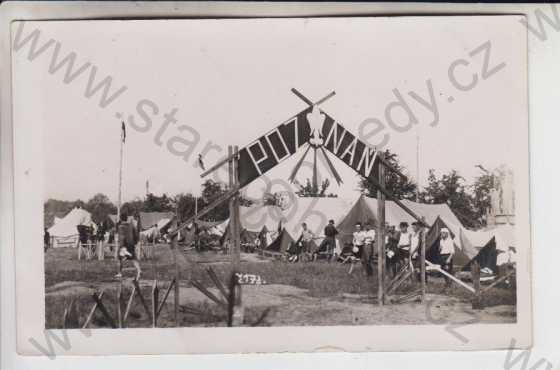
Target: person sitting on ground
(306, 237)
(127, 238)
(329, 242)
(446, 250)
(294, 251)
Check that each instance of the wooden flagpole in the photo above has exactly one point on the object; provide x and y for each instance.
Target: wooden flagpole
(119, 200)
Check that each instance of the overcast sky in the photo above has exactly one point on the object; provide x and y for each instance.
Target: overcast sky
(230, 81)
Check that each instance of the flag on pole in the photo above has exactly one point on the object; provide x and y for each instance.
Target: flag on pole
(123, 133)
(201, 163)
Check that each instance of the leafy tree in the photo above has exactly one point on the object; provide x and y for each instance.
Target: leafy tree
(310, 191)
(401, 188)
(481, 195)
(133, 208)
(153, 203)
(100, 207)
(212, 190)
(450, 188)
(55, 207)
(185, 205)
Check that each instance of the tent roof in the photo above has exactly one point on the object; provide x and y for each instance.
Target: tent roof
(505, 236)
(149, 219)
(316, 212)
(281, 243)
(394, 214)
(67, 226)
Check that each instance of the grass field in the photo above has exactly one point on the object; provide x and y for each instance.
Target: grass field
(315, 293)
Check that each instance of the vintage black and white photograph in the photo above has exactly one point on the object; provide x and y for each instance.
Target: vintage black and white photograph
(298, 172)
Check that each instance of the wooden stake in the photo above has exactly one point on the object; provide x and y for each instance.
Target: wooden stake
(103, 310)
(477, 299)
(487, 288)
(443, 272)
(139, 293)
(380, 237)
(162, 303)
(129, 305)
(119, 308)
(100, 250)
(174, 247)
(91, 312)
(423, 263)
(155, 294)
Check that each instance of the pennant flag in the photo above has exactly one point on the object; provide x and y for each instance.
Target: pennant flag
(123, 133)
(201, 163)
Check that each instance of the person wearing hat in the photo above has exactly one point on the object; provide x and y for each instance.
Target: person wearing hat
(446, 252)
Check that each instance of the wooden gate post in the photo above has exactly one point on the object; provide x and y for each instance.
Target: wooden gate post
(381, 236)
(176, 292)
(235, 227)
(423, 263)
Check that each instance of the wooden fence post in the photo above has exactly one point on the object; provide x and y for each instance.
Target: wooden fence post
(477, 298)
(423, 263)
(176, 292)
(155, 299)
(119, 305)
(381, 236)
(100, 250)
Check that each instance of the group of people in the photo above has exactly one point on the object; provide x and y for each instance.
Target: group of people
(402, 247)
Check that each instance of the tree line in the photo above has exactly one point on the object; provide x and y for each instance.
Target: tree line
(469, 202)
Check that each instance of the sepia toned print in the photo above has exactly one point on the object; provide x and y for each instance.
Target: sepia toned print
(280, 173)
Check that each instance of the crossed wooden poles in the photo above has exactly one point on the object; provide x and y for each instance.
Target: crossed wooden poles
(230, 298)
(153, 311)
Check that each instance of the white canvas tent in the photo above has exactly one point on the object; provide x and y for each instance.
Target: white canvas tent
(316, 212)
(394, 214)
(65, 232)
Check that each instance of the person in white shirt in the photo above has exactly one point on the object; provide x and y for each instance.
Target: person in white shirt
(416, 240)
(358, 241)
(367, 253)
(446, 252)
(403, 245)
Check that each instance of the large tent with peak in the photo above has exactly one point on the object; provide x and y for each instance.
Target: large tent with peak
(365, 210)
(148, 220)
(315, 212)
(464, 249)
(65, 232)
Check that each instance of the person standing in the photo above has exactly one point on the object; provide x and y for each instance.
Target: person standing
(446, 252)
(329, 242)
(391, 242)
(403, 246)
(368, 252)
(127, 245)
(416, 241)
(46, 239)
